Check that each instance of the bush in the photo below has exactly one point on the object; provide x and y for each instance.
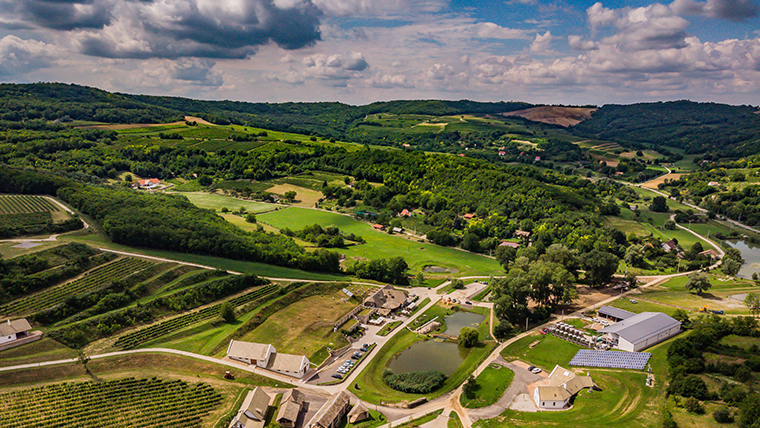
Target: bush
(689, 386)
(227, 312)
(667, 420)
(692, 405)
(503, 330)
(722, 415)
(414, 382)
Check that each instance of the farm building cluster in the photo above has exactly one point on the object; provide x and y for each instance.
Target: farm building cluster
(293, 408)
(621, 329)
(264, 355)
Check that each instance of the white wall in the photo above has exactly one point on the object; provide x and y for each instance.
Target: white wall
(4, 339)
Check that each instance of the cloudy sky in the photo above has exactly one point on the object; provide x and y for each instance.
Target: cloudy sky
(360, 51)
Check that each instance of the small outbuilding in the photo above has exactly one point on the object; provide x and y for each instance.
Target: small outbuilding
(329, 415)
(556, 392)
(253, 412)
(291, 406)
(14, 330)
(357, 414)
(614, 314)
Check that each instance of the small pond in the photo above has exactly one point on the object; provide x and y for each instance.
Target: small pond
(429, 355)
(457, 320)
(750, 254)
(434, 354)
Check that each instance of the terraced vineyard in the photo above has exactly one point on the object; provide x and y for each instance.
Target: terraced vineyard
(127, 402)
(25, 204)
(91, 280)
(134, 339)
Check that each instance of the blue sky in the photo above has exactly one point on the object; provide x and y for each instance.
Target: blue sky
(360, 51)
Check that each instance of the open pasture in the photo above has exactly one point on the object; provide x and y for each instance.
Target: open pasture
(381, 244)
(217, 202)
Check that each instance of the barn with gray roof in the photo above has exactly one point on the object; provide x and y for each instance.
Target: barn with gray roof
(642, 331)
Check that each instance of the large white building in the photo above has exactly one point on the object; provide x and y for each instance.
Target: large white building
(642, 331)
(264, 355)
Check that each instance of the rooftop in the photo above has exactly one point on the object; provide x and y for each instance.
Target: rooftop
(615, 312)
(638, 328)
(9, 327)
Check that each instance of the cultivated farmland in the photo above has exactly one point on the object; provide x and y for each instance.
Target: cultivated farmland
(126, 402)
(91, 280)
(25, 204)
(135, 338)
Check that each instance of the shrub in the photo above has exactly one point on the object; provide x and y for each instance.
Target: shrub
(414, 382)
(693, 405)
(722, 415)
(689, 386)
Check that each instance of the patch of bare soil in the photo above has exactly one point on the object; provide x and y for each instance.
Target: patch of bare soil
(562, 116)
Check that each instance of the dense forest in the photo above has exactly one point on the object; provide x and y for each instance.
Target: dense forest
(718, 129)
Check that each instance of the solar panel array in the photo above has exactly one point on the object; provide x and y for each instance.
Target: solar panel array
(611, 359)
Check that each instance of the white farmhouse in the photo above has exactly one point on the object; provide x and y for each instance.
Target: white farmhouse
(13, 330)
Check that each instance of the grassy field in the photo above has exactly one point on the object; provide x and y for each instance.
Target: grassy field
(305, 327)
(45, 349)
(382, 245)
(217, 202)
(491, 384)
(546, 354)
(672, 295)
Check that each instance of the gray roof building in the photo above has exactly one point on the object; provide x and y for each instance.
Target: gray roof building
(643, 330)
(618, 314)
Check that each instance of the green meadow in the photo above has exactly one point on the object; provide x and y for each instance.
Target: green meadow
(382, 245)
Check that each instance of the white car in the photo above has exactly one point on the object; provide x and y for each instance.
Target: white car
(536, 370)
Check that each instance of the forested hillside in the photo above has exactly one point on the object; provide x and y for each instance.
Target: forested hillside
(716, 130)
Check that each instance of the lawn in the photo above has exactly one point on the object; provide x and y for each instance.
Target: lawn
(733, 340)
(491, 384)
(388, 328)
(305, 327)
(382, 245)
(549, 352)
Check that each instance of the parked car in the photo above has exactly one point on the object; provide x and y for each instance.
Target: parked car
(536, 370)
(530, 369)
(337, 376)
(468, 302)
(349, 362)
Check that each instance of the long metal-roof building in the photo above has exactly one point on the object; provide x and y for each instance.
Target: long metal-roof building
(615, 314)
(642, 331)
